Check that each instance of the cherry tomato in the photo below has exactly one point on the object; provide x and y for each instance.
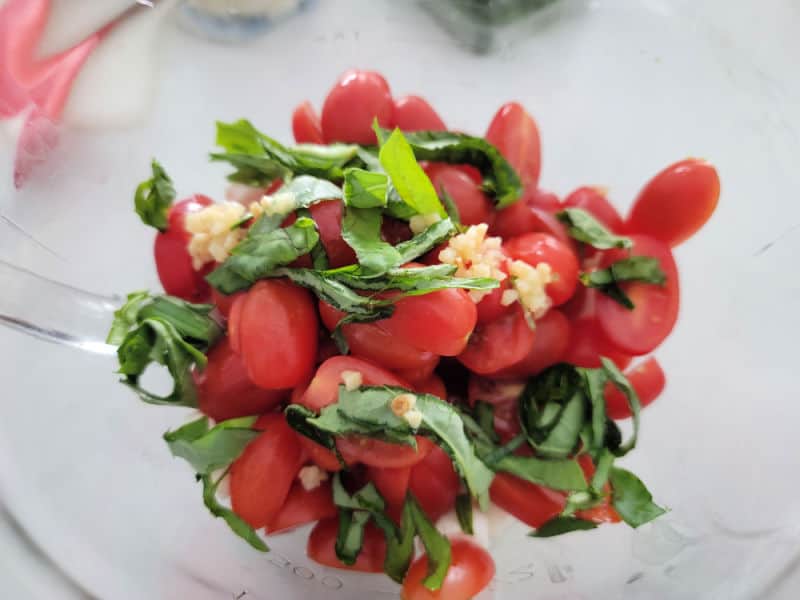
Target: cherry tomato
(593, 200)
(549, 346)
(535, 248)
(370, 341)
(440, 322)
(224, 391)
(515, 134)
(642, 329)
(587, 344)
(473, 205)
(532, 504)
(262, 475)
(328, 217)
(491, 306)
(355, 101)
(395, 231)
(497, 392)
(543, 200)
(435, 483)
(647, 378)
(520, 218)
(418, 375)
(322, 457)
(224, 303)
(376, 453)
(602, 513)
(413, 113)
(499, 344)
(171, 250)
(471, 570)
(306, 125)
(392, 484)
(321, 547)
(434, 386)
(234, 319)
(277, 333)
(676, 203)
(303, 506)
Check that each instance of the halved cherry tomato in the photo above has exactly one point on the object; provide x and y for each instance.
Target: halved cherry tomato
(234, 319)
(587, 344)
(499, 344)
(395, 231)
(515, 134)
(413, 113)
(542, 200)
(520, 218)
(435, 483)
(306, 125)
(322, 457)
(497, 392)
(473, 205)
(549, 346)
(171, 250)
(321, 547)
(376, 453)
(647, 378)
(676, 203)
(593, 200)
(392, 484)
(471, 570)
(535, 248)
(262, 475)
(532, 504)
(491, 306)
(224, 391)
(328, 217)
(355, 101)
(440, 322)
(434, 386)
(642, 329)
(277, 333)
(224, 303)
(303, 506)
(415, 376)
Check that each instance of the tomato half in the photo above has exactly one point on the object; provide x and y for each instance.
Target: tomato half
(471, 570)
(413, 113)
(355, 101)
(303, 506)
(676, 203)
(520, 218)
(224, 303)
(587, 344)
(647, 378)
(535, 248)
(549, 346)
(499, 344)
(306, 125)
(418, 375)
(262, 476)
(473, 205)
(322, 457)
(321, 547)
(516, 135)
(433, 386)
(377, 453)
(392, 484)
(497, 392)
(435, 483)
(328, 217)
(593, 200)
(532, 504)
(542, 200)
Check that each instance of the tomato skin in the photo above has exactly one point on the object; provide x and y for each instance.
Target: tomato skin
(224, 391)
(392, 484)
(676, 203)
(491, 307)
(303, 507)
(234, 319)
(493, 391)
(543, 200)
(549, 346)
(321, 547)
(171, 251)
(376, 453)
(473, 205)
(414, 113)
(641, 330)
(440, 322)
(587, 344)
(224, 303)
(262, 476)
(602, 513)
(535, 248)
(471, 570)
(435, 483)
(328, 217)
(322, 457)
(532, 504)
(593, 200)
(277, 325)
(647, 378)
(516, 135)
(419, 374)
(433, 386)
(521, 218)
(306, 125)
(499, 344)
(357, 98)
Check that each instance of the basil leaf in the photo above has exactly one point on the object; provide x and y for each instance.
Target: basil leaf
(234, 521)
(399, 544)
(297, 417)
(562, 525)
(595, 383)
(361, 229)
(562, 438)
(192, 321)
(603, 464)
(631, 499)
(464, 513)
(365, 189)
(458, 148)
(319, 258)
(585, 228)
(451, 208)
(635, 268)
(209, 449)
(617, 378)
(408, 178)
(426, 240)
(126, 317)
(437, 547)
(367, 498)
(350, 538)
(484, 413)
(252, 170)
(542, 404)
(154, 197)
(308, 190)
(562, 474)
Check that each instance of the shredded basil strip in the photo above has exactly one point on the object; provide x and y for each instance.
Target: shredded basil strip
(234, 521)
(561, 526)
(437, 546)
(207, 449)
(585, 228)
(635, 268)
(631, 498)
(154, 197)
(464, 513)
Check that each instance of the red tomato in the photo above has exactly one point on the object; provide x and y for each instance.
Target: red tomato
(642, 329)
(515, 134)
(542, 200)
(306, 125)
(370, 341)
(224, 303)
(435, 483)
(532, 504)
(394, 231)
(277, 332)
(321, 547)
(171, 250)
(392, 484)
(319, 455)
(440, 322)
(413, 113)
(376, 453)
(491, 306)
(593, 200)
(587, 344)
(473, 205)
(234, 319)
(535, 248)
(471, 570)
(262, 475)
(433, 386)
(355, 101)
(303, 507)
(549, 346)
(647, 378)
(224, 391)
(602, 513)
(494, 391)
(520, 218)
(328, 217)
(676, 203)
(415, 376)
(499, 344)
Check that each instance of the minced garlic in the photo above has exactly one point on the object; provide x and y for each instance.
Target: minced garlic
(404, 406)
(529, 283)
(419, 223)
(475, 255)
(352, 380)
(311, 477)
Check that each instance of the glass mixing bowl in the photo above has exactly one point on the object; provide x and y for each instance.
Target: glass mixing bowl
(620, 89)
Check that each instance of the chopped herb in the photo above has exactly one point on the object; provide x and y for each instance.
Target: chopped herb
(464, 513)
(585, 228)
(365, 189)
(631, 498)
(154, 197)
(437, 547)
(350, 538)
(215, 448)
(562, 525)
(635, 268)
(234, 521)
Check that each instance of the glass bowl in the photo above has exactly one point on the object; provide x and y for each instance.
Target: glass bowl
(619, 89)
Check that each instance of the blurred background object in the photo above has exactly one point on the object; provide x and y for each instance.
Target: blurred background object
(231, 21)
